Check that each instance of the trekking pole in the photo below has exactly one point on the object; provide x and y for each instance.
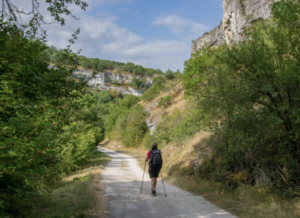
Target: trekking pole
(143, 178)
(163, 184)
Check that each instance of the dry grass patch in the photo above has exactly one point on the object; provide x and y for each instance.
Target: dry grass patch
(244, 202)
(79, 195)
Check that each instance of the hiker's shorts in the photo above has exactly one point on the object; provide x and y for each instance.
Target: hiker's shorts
(154, 170)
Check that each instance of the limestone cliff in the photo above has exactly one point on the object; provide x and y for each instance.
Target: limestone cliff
(237, 15)
(102, 80)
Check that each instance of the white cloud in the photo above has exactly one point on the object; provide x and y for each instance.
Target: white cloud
(155, 54)
(103, 38)
(176, 24)
(180, 26)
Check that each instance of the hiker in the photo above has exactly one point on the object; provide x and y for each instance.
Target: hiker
(155, 163)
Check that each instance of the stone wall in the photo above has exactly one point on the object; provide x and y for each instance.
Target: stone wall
(237, 15)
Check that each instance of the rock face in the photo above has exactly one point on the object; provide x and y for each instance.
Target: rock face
(152, 121)
(237, 15)
(213, 38)
(103, 79)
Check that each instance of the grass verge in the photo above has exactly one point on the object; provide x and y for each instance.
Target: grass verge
(79, 195)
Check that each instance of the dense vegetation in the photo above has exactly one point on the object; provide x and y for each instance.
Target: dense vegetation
(46, 129)
(250, 92)
(97, 64)
(50, 121)
(126, 121)
(246, 95)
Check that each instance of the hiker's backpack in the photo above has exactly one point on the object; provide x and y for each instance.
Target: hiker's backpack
(156, 158)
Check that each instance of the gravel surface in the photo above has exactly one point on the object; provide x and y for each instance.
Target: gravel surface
(122, 179)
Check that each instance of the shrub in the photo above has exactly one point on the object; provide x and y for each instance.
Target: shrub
(159, 83)
(169, 74)
(165, 101)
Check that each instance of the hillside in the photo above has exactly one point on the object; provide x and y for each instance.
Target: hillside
(186, 148)
(229, 126)
(120, 81)
(189, 148)
(125, 78)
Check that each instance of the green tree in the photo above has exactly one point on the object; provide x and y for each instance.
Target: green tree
(251, 92)
(35, 101)
(136, 83)
(159, 81)
(169, 74)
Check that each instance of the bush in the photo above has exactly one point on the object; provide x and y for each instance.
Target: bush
(151, 93)
(165, 101)
(127, 123)
(179, 125)
(159, 83)
(169, 74)
(149, 140)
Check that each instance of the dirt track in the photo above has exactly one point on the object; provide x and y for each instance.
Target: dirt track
(122, 179)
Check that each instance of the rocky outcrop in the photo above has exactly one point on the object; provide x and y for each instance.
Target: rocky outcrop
(102, 80)
(213, 38)
(152, 121)
(237, 15)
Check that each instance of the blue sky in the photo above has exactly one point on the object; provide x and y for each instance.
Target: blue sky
(138, 15)
(155, 34)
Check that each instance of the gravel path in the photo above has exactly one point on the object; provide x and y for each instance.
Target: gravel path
(122, 179)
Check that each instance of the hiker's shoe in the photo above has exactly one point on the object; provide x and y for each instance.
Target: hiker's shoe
(154, 192)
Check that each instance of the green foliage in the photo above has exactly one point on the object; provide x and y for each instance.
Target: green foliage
(58, 9)
(251, 91)
(136, 83)
(139, 84)
(97, 64)
(84, 178)
(151, 93)
(132, 68)
(178, 74)
(72, 197)
(169, 74)
(179, 125)
(135, 127)
(148, 140)
(47, 124)
(165, 101)
(126, 121)
(159, 83)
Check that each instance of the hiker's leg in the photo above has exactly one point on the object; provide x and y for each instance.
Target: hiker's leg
(153, 183)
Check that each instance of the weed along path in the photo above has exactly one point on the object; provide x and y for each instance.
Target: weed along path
(122, 179)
